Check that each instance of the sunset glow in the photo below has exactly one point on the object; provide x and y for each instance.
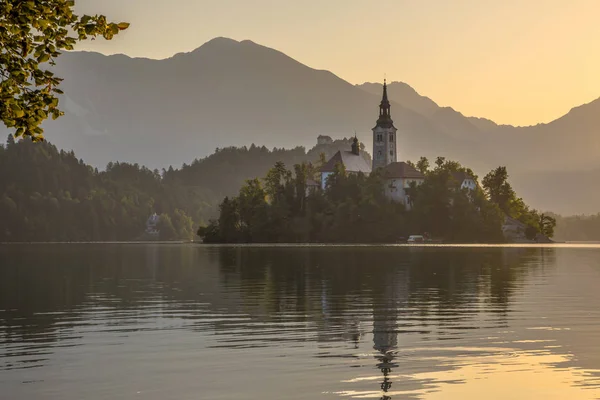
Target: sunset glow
(514, 62)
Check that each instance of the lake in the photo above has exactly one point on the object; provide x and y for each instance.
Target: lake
(158, 322)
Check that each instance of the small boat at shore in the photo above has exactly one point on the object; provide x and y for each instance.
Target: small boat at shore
(416, 239)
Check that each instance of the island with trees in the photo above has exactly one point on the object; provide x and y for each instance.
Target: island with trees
(284, 207)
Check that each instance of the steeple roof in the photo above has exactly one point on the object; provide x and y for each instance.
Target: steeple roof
(355, 145)
(385, 119)
(384, 99)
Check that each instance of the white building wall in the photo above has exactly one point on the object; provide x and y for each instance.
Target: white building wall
(468, 184)
(324, 176)
(395, 189)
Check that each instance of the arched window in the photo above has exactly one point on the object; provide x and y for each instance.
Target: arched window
(391, 153)
(379, 154)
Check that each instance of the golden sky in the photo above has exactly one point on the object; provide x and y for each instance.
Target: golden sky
(517, 62)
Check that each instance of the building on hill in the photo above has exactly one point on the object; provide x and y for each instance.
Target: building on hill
(399, 176)
(152, 225)
(322, 139)
(464, 180)
(353, 162)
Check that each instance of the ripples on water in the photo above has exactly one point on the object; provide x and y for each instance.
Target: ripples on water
(193, 322)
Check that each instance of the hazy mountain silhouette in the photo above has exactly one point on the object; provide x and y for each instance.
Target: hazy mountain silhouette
(163, 112)
(446, 119)
(571, 140)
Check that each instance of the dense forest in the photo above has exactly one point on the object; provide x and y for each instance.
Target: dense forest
(48, 194)
(353, 208)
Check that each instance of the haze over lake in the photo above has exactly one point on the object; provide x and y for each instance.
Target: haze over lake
(109, 321)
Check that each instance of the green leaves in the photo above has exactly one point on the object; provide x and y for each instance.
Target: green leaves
(34, 33)
(43, 58)
(17, 110)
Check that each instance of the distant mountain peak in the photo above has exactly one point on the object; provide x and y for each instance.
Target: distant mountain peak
(249, 42)
(219, 46)
(221, 40)
(227, 43)
(216, 43)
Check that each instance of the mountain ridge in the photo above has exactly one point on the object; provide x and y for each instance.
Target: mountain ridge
(234, 93)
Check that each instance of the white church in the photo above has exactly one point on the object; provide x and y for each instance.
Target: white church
(398, 175)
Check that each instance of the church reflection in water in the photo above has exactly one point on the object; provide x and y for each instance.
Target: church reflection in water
(333, 294)
(392, 295)
(385, 365)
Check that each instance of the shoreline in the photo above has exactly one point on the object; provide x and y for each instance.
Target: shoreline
(595, 244)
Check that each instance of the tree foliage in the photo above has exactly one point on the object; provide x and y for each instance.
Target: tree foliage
(442, 209)
(546, 225)
(50, 195)
(423, 165)
(33, 34)
(166, 228)
(500, 192)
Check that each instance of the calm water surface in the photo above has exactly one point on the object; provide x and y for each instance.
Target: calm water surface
(163, 322)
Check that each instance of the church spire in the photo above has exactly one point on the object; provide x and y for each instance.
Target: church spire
(385, 119)
(385, 97)
(355, 145)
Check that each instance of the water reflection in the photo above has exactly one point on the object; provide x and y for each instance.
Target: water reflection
(373, 322)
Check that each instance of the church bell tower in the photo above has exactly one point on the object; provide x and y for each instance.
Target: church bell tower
(384, 135)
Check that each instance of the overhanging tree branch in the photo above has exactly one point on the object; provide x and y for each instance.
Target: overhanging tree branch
(33, 33)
